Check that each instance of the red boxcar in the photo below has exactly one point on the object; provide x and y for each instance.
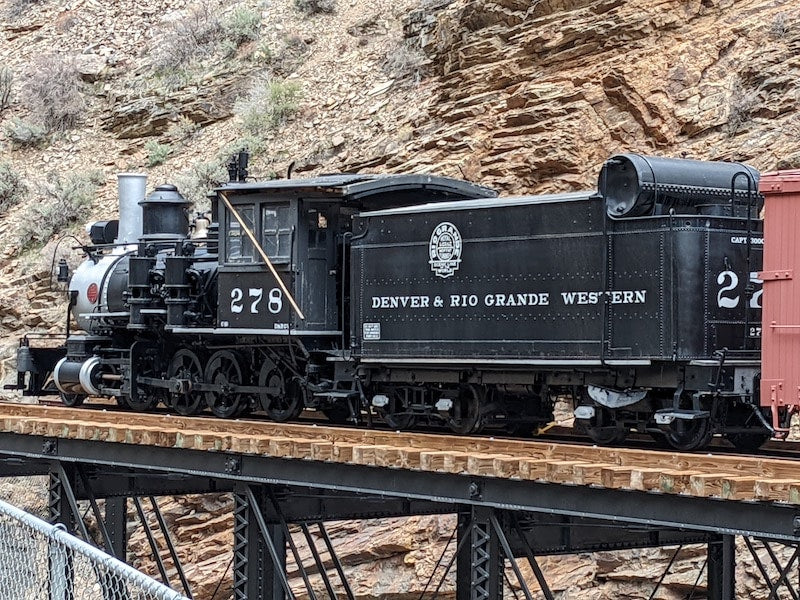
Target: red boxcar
(780, 343)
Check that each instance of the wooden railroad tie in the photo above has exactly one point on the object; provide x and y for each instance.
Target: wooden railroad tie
(707, 475)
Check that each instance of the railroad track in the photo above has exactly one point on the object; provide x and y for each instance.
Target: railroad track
(732, 477)
(555, 434)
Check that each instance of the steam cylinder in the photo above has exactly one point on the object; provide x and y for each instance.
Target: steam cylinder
(633, 184)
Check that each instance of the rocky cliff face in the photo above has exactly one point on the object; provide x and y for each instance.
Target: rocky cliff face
(534, 96)
(523, 96)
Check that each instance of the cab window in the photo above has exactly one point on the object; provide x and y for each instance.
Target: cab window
(317, 229)
(239, 247)
(276, 232)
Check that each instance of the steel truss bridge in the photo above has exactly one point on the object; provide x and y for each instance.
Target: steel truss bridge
(500, 521)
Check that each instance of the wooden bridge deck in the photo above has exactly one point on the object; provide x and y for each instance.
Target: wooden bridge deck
(731, 477)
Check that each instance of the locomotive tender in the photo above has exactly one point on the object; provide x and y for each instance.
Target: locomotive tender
(428, 300)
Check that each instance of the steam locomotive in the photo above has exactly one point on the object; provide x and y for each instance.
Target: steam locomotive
(424, 300)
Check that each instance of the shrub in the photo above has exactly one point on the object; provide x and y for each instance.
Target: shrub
(12, 187)
(268, 106)
(16, 8)
(779, 26)
(6, 81)
(264, 53)
(289, 55)
(312, 7)
(242, 25)
(63, 201)
(405, 62)
(53, 92)
(199, 180)
(22, 134)
(185, 39)
(182, 129)
(156, 153)
(742, 102)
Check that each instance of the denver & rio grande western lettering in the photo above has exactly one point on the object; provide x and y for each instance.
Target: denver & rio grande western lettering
(509, 300)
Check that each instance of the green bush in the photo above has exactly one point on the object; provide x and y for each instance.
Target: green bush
(268, 106)
(53, 93)
(156, 153)
(12, 187)
(22, 134)
(63, 201)
(241, 25)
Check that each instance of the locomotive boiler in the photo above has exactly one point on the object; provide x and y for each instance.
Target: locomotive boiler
(424, 300)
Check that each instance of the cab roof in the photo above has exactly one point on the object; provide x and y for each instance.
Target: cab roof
(373, 192)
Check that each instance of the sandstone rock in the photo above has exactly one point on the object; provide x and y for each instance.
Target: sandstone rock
(91, 67)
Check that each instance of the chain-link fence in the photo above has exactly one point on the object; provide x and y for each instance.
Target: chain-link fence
(38, 560)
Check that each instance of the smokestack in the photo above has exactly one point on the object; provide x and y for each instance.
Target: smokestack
(132, 190)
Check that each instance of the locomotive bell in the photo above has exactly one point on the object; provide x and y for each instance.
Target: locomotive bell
(164, 215)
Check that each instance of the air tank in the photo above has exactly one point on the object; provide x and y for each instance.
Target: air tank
(634, 185)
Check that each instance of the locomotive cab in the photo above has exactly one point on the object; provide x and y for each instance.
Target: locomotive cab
(299, 237)
(303, 226)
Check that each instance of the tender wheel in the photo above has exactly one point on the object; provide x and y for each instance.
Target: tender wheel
(337, 413)
(396, 415)
(223, 370)
(185, 365)
(72, 400)
(283, 402)
(605, 431)
(606, 436)
(748, 442)
(466, 411)
(688, 435)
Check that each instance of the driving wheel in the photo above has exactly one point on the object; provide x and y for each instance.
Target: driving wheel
(224, 371)
(185, 366)
(280, 401)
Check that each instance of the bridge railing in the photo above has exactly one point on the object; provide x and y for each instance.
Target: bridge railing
(42, 561)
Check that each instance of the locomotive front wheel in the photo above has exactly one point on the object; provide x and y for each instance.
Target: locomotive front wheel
(145, 400)
(185, 365)
(72, 400)
(223, 370)
(284, 405)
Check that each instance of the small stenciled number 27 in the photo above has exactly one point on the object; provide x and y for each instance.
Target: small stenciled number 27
(729, 297)
(254, 297)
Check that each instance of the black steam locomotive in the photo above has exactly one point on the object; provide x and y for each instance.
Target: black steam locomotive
(427, 300)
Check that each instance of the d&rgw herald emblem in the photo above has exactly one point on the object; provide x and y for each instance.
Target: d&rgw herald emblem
(445, 249)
